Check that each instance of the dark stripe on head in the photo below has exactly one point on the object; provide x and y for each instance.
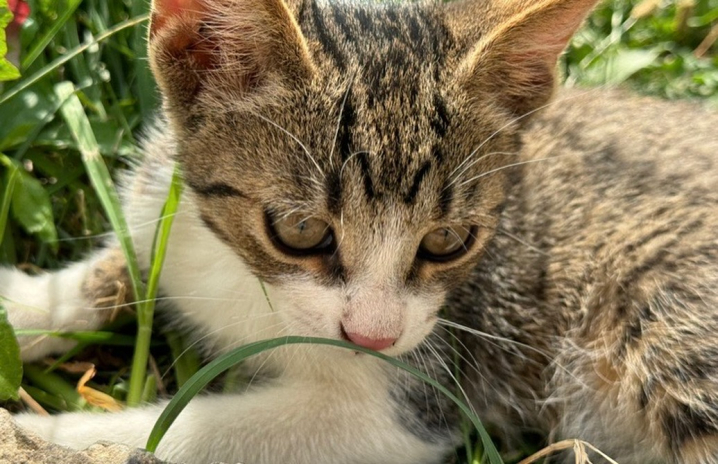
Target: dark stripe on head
(340, 19)
(216, 189)
(438, 153)
(346, 126)
(302, 9)
(364, 19)
(446, 197)
(441, 41)
(440, 120)
(366, 173)
(328, 43)
(334, 192)
(392, 28)
(415, 30)
(418, 177)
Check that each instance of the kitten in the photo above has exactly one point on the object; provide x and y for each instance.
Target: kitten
(398, 177)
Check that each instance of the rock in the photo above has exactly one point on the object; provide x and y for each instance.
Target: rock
(19, 446)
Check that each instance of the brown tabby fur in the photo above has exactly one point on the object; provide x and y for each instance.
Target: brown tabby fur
(589, 294)
(604, 262)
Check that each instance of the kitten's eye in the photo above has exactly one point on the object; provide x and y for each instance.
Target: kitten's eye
(300, 233)
(445, 243)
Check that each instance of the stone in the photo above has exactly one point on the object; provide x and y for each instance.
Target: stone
(19, 446)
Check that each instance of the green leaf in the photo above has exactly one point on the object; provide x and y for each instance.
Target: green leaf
(31, 207)
(10, 179)
(10, 364)
(19, 117)
(7, 70)
(628, 62)
(224, 362)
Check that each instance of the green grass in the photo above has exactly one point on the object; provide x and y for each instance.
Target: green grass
(75, 115)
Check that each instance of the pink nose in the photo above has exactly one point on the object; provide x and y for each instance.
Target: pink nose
(371, 343)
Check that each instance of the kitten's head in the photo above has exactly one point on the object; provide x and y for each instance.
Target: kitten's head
(354, 155)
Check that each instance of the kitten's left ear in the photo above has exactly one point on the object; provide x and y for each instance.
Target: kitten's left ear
(515, 45)
(225, 48)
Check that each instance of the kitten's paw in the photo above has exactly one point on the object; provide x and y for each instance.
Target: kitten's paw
(77, 298)
(107, 284)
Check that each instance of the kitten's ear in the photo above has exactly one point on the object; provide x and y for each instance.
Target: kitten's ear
(229, 46)
(513, 55)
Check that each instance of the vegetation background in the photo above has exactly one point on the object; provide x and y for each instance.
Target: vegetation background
(50, 214)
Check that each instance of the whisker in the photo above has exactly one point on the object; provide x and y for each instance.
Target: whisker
(293, 137)
(350, 157)
(552, 359)
(492, 171)
(477, 160)
(445, 366)
(133, 227)
(487, 336)
(521, 241)
(473, 363)
(514, 121)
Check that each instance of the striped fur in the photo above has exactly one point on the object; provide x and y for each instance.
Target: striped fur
(584, 306)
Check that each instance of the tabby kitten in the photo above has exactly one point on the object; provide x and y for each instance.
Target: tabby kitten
(386, 170)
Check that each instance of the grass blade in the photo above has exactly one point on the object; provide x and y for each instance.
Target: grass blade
(55, 385)
(97, 337)
(56, 63)
(81, 131)
(224, 362)
(47, 37)
(146, 309)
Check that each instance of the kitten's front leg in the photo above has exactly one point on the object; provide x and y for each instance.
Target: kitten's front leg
(78, 297)
(346, 420)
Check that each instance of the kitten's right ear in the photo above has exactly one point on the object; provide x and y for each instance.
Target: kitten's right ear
(232, 47)
(513, 47)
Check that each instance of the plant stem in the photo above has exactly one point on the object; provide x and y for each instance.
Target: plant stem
(146, 308)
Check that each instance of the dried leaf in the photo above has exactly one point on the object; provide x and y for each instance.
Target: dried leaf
(96, 397)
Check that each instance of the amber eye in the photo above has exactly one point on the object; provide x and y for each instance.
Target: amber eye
(445, 243)
(299, 233)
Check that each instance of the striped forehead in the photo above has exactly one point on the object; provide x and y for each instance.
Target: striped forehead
(391, 57)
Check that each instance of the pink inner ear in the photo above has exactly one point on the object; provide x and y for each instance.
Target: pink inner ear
(168, 8)
(163, 11)
(547, 35)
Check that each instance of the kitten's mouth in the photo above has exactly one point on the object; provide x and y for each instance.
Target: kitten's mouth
(345, 337)
(343, 333)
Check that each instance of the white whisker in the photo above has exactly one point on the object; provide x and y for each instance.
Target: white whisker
(293, 137)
